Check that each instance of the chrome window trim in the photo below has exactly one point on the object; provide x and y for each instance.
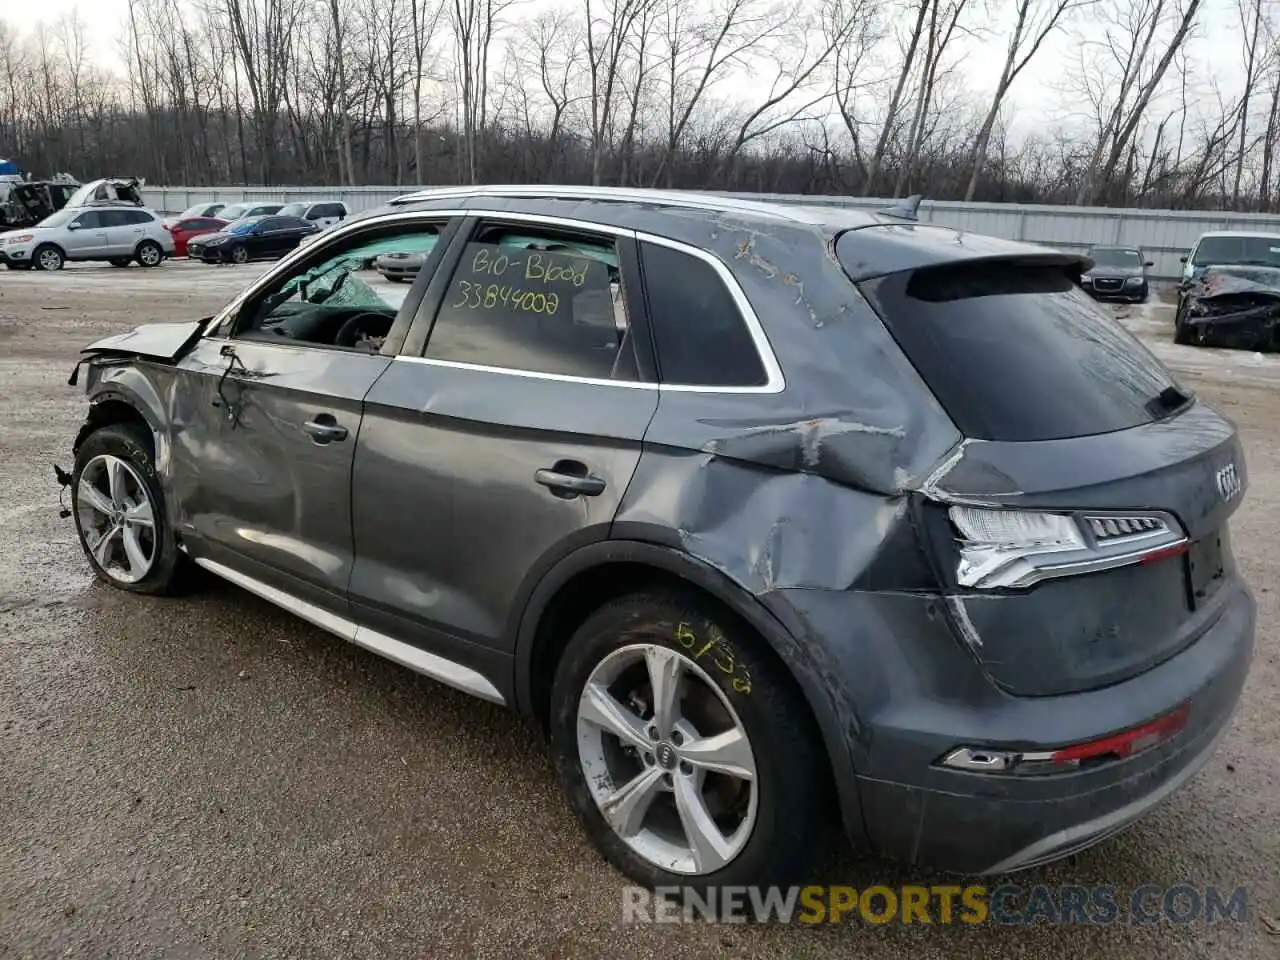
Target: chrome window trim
(775, 382)
(415, 658)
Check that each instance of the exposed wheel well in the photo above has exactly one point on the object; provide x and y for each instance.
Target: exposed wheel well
(109, 411)
(596, 586)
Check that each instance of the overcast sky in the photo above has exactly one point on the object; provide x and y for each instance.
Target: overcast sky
(1215, 51)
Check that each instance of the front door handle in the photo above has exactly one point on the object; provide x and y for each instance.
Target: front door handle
(568, 479)
(325, 429)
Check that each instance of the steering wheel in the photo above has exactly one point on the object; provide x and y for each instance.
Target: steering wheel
(349, 333)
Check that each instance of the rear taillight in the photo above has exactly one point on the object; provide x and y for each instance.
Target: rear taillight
(1013, 549)
(1118, 746)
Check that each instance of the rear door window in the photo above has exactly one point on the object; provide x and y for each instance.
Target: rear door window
(1017, 352)
(539, 302)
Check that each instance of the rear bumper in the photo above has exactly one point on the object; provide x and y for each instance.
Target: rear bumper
(921, 701)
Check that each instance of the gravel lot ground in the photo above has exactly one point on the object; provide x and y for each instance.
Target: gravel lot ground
(211, 778)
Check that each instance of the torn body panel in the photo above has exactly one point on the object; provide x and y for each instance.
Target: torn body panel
(1236, 307)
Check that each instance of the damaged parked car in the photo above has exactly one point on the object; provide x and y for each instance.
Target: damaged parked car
(773, 518)
(1118, 273)
(1229, 290)
(1231, 306)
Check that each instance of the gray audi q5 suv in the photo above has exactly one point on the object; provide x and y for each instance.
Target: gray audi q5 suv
(765, 512)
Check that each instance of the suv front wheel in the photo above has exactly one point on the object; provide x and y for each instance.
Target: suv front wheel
(48, 257)
(687, 753)
(119, 512)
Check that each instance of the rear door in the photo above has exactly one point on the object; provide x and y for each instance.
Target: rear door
(508, 440)
(1116, 553)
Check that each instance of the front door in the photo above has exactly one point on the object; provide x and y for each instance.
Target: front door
(266, 418)
(86, 236)
(505, 446)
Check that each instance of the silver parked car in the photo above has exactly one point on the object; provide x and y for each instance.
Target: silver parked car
(118, 234)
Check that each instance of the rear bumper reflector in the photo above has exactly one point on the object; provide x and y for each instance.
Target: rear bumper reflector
(1118, 746)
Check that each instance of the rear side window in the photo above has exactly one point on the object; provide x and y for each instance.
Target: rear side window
(138, 216)
(699, 332)
(1017, 352)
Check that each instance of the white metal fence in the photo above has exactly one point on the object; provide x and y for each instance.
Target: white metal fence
(1165, 235)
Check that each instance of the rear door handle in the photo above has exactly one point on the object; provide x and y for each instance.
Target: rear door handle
(568, 479)
(325, 428)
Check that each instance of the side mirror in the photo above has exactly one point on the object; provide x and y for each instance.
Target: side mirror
(1182, 259)
(73, 226)
(1149, 263)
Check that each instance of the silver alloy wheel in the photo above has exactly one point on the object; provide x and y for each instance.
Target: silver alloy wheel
(667, 759)
(240, 255)
(117, 521)
(149, 255)
(50, 259)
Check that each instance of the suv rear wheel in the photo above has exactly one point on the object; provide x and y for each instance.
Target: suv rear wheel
(119, 512)
(149, 253)
(686, 753)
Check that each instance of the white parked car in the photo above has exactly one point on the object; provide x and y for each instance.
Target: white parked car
(323, 213)
(119, 234)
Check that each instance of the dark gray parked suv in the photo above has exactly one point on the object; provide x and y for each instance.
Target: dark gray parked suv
(763, 512)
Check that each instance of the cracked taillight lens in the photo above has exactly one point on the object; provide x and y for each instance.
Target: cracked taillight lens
(1019, 548)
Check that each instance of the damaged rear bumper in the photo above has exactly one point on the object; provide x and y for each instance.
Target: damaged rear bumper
(910, 702)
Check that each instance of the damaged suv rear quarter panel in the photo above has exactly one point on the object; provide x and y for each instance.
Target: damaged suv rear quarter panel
(796, 496)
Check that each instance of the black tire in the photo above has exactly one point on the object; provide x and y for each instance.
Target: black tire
(238, 254)
(133, 444)
(48, 257)
(1180, 332)
(121, 262)
(792, 823)
(149, 254)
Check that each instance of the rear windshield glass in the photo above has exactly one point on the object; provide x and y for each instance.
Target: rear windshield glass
(1017, 352)
(1264, 251)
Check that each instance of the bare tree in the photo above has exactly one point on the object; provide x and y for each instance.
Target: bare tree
(1139, 54)
(1035, 20)
(920, 15)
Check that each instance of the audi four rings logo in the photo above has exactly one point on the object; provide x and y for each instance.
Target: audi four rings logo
(1229, 484)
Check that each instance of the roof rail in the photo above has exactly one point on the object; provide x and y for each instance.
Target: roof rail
(906, 209)
(670, 198)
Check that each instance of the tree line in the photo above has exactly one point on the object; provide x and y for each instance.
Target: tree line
(854, 97)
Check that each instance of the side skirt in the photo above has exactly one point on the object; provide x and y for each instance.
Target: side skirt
(438, 668)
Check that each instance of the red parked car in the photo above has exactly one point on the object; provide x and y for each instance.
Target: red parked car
(184, 230)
